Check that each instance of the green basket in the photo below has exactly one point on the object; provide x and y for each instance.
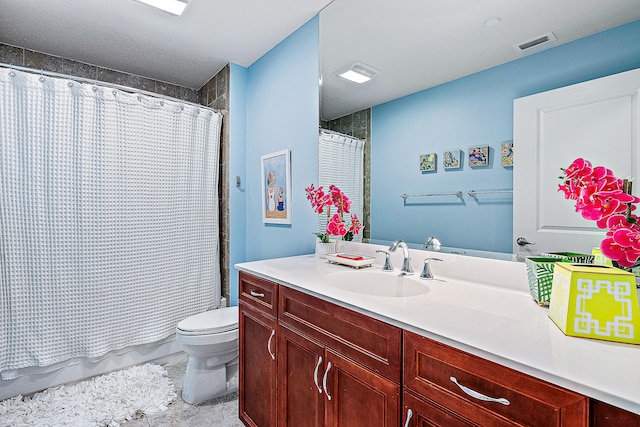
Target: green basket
(540, 275)
(574, 257)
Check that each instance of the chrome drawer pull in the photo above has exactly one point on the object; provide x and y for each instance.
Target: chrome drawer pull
(409, 415)
(479, 396)
(324, 381)
(256, 294)
(315, 375)
(273, 356)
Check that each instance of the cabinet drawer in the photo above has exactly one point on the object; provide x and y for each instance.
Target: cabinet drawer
(425, 413)
(368, 341)
(439, 373)
(259, 293)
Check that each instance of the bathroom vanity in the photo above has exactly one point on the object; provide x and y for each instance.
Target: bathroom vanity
(324, 344)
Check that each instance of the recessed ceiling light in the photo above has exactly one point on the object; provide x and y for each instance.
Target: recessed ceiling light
(174, 7)
(491, 22)
(357, 72)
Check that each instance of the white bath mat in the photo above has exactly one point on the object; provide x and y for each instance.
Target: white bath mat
(106, 400)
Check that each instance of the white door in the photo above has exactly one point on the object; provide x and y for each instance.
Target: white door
(597, 120)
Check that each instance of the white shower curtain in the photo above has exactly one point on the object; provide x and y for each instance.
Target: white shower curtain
(341, 163)
(108, 218)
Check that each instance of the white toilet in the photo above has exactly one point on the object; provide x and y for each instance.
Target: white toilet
(211, 341)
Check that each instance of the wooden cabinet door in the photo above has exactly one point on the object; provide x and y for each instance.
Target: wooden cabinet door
(605, 415)
(258, 368)
(300, 394)
(358, 397)
(422, 413)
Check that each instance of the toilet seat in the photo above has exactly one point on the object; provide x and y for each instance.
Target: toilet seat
(210, 322)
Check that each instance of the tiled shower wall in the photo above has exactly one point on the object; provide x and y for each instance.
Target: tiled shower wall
(213, 94)
(41, 61)
(358, 125)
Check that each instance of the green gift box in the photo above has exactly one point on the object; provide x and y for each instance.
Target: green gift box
(540, 274)
(574, 257)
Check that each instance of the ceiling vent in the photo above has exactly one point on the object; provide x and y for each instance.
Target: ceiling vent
(536, 44)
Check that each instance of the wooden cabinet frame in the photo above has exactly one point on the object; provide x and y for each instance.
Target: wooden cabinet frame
(305, 361)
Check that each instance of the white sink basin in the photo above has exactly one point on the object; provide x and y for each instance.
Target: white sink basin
(378, 283)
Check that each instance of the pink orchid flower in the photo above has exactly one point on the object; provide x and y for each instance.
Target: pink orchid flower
(603, 198)
(356, 226)
(336, 226)
(626, 256)
(579, 167)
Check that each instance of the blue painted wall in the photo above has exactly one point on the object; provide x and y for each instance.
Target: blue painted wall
(282, 110)
(474, 110)
(237, 167)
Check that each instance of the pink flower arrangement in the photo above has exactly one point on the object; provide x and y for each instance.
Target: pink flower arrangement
(603, 198)
(321, 202)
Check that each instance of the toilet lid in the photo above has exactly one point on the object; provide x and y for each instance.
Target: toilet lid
(211, 322)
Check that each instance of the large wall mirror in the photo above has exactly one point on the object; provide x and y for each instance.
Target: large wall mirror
(443, 79)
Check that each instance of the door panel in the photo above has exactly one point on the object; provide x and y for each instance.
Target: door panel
(597, 120)
(359, 397)
(257, 386)
(301, 362)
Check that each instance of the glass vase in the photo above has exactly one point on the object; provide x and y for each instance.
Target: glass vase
(322, 249)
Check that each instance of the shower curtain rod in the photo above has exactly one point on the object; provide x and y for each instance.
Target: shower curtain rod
(111, 85)
(339, 133)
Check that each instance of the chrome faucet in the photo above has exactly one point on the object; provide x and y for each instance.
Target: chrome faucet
(432, 241)
(406, 263)
(426, 271)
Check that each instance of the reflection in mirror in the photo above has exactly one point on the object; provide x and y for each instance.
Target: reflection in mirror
(447, 83)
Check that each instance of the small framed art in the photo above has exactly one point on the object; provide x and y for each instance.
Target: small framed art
(428, 162)
(276, 187)
(452, 159)
(479, 156)
(506, 154)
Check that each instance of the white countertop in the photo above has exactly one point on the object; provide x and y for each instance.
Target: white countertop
(493, 317)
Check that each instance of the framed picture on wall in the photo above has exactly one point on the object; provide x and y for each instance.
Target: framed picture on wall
(506, 154)
(451, 159)
(428, 162)
(276, 187)
(479, 156)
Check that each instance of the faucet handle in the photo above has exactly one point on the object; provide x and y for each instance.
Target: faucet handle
(426, 271)
(387, 261)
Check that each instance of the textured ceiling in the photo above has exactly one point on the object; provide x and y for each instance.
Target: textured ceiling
(129, 36)
(416, 44)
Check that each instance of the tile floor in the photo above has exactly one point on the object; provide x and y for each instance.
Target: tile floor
(220, 412)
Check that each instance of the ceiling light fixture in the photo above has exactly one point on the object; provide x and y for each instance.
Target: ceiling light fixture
(174, 7)
(357, 72)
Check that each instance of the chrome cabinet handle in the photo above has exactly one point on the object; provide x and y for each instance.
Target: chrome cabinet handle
(273, 356)
(256, 294)
(409, 415)
(479, 396)
(315, 375)
(324, 381)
